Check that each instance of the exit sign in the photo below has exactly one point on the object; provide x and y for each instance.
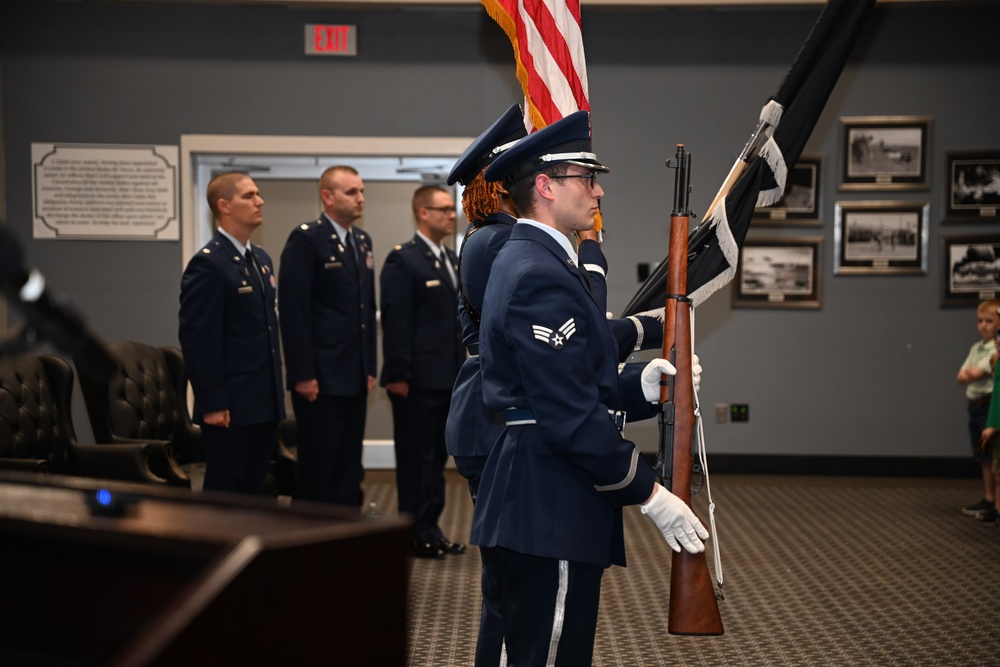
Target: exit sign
(331, 40)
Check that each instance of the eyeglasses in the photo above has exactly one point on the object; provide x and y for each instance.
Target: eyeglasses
(592, 177)
(442, 209)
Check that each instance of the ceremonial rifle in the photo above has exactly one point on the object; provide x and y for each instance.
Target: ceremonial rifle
(694, 609)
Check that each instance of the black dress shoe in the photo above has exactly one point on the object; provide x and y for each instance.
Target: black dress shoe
(425, 549)
(449, 547)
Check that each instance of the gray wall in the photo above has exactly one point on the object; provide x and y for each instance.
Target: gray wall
(871, 373)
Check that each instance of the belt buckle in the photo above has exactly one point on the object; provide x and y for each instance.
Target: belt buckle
(620, 419)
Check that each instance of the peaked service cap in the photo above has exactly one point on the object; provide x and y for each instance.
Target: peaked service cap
(488, 145)
(566, 140)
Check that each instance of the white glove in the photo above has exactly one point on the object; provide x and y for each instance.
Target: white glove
(650, 378)
(658, 313)
(696, 371)
(676, 521)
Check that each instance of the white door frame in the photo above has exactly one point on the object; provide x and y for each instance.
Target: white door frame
(193, 145)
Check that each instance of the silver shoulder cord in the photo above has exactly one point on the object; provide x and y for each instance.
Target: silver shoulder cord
(703, 459)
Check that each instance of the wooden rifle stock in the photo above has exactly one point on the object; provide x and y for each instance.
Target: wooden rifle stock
(694, 609)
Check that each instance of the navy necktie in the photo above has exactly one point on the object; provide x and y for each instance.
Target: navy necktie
(449, 269)
(353, 249)
(255, 270)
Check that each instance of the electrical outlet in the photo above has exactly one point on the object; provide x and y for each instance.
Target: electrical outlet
(739, 412)
(721, 413)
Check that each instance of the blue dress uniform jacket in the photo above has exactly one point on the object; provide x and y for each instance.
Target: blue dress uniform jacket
(554, 488)
(472, 430)
(327, 305)
(229, 335)
(626, 331)
(421, 332)
(593, 261)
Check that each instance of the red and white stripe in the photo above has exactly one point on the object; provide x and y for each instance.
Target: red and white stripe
(548, 50)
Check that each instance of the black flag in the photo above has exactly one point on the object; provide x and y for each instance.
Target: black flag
(758, 178)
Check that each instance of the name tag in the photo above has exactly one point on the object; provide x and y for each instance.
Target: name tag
(246, 290)
(333, 265)
(432, 283)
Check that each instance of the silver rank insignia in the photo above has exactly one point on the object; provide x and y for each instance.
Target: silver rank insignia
(557, 339)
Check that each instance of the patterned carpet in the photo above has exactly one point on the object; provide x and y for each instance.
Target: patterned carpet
(818, 571)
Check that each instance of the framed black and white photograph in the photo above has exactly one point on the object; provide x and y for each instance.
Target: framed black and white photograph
(799, 205)
(973, 269)
(778, 273)
(973, 186)
(880, 237)
(885, 152)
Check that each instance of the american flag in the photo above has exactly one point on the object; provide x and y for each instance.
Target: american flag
(548, 51)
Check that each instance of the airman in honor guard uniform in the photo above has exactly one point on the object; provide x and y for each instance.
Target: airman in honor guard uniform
(491, 215)
(327, 314)
(471, 431)
(229, 337)
(550, 499)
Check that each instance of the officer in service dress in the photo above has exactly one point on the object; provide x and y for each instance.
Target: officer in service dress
(327, 312)
(229, 338)
(421, 354)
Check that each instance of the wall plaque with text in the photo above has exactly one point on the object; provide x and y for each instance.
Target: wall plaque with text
(104, 191)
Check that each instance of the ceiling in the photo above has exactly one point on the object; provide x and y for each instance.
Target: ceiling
(593, 3)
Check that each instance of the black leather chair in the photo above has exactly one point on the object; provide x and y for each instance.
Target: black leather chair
(36, 426)
(146, 401)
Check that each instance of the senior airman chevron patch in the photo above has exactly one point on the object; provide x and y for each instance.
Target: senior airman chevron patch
(557, 339)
